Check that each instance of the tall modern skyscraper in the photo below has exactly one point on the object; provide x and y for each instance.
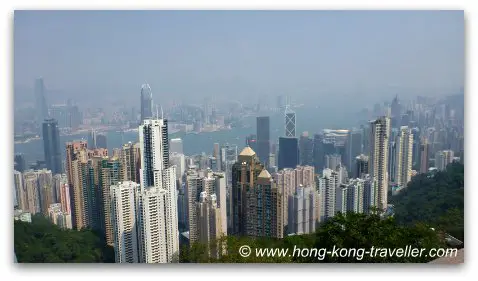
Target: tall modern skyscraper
(51, 146)
(123, 219)
(263, 139)
(101, 141)
(92, 139)
(157, 199)
(41, 106)
(176, 145)
(289, 123)
(19, 162)
(354, 147)
(288, 152)
(379, 138)
(361, 166)
(404, 156)
(146, 102)
(306, 148)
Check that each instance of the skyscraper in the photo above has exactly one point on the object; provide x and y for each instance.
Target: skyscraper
(123, 219)
(361, 166)
(20, 192)
(263, 139)
(403, 165)
(332, 161)
(92, 139)
(288, 152)
(354, 147)
(19, 162)
(355, 195)
(130, 159)
(210, 224)
(443, 158)
(289, 115)
(306, 148)
(157, 199)
(424, 155)
(51, 146)
(327, 184)
(72, 154)
(41, 106)
(264, 208)
(176, 145)
(146, 102)
(109, 175)
(379, 137)
(302, 209)
(244, 175)
(101, 141)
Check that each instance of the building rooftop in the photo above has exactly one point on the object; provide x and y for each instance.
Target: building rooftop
(247, 151)
(264, 174)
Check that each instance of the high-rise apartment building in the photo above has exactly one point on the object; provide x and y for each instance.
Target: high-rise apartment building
(178, 160)
(263, 139)
(379, 138)
(123, 220)
(20, 191)
(244, 176)
(51, 145)
(210, 224)
(30, 182)
(45, 190)
(370, 194)
(332, 161)
(58, 217)
(264, 208)
(327, 184)
(302, 209)
(157, 199)
(130, 159)
(443, 158)
(404, 156)
(424, 155)
(355, 195)
(73, 154)
(361, 166)
(110, 173)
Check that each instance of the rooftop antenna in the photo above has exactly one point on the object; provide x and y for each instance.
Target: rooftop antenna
(157, 112)
(162, 114)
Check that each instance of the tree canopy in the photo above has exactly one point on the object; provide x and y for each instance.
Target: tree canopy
(437, 199)
(43, 242)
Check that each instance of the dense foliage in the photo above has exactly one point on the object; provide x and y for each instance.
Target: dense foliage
(343, 231)
(437, 199)
(43, 242)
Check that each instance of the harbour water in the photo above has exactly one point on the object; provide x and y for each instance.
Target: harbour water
(310, 119)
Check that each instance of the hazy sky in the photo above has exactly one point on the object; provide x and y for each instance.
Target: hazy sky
(329, 55)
